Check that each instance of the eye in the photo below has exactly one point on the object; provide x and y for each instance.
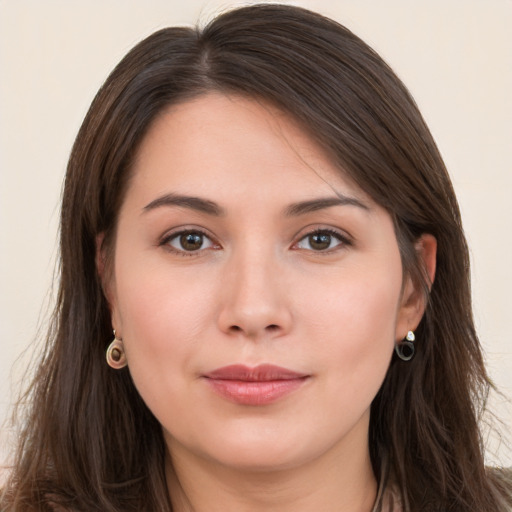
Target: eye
(188, 241)
(322, 240)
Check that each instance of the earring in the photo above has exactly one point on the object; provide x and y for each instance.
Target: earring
(116, 357)
(405, 349)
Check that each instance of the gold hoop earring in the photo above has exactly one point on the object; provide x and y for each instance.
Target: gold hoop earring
(116, 358)
(405, 349)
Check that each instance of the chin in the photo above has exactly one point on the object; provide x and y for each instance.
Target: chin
(262, 450)
(263, 459)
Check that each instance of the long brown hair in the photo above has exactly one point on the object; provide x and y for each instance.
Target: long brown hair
(89, 441)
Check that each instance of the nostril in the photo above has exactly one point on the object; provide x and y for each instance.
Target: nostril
(270, 328)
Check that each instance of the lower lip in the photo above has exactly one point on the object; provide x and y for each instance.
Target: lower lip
(255, 393)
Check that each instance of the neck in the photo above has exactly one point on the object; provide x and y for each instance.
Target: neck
(333, 482)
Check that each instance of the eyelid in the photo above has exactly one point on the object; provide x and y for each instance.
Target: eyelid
(344, 238)
(181, 230)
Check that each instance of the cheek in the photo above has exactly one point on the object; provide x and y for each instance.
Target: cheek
(162, 315)
(358, 305)
(353, 325)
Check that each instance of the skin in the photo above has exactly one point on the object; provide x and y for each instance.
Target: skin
(256, 289)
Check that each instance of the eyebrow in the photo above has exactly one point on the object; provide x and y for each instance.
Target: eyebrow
(303, 207)
(191, 202)
(212, 208)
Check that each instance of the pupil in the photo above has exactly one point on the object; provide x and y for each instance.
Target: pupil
(320, 241)
(191, 241)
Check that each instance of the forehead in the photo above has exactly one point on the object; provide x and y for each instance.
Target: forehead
(226, 144)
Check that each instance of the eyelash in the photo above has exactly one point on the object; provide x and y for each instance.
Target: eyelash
(182, 252)
(343, 240)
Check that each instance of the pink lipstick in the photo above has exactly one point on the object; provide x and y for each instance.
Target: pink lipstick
(261, 385)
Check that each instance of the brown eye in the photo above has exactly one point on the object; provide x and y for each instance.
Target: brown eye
(189, 241)
(319, 241)
(322, 241)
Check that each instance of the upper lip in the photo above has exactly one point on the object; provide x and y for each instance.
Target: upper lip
(260, 373)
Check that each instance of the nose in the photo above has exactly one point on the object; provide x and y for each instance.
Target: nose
(255, 302)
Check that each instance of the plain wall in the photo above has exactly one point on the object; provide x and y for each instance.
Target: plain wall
(454, 55)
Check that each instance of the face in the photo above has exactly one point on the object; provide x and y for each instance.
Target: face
(258, 292)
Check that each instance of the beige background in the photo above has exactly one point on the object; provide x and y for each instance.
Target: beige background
(455, 56)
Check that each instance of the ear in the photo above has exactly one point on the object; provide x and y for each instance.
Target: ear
(413, 301)
(106, 276)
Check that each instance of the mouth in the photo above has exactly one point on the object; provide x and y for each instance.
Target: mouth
(261, 385)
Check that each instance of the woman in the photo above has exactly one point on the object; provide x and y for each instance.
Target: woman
(260, 214)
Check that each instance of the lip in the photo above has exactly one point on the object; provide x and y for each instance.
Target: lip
(261, 385)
